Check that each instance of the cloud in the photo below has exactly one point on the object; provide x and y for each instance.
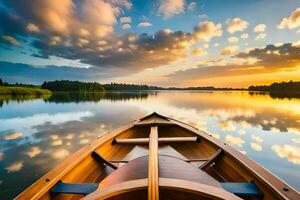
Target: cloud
(125, 26)
(60, 153)
(10, 40)
(210, 72)
(122, 3)
(54, 16)
(192, 6)
(233, 39)
(1, 156)
(54, 137)
(292, 21)
(84, 141)
(32, 28)
(145, 24)
(242, 132)
(268, 56)
(198, 52)
(245, 36)
(207, 30)
(69, 136)
(99, 12)
(57, 142)
(15, 167)
(290, 152)
(206, 46)
(229, 50)
(227, 125)
(259, 28)
(296, 140)
(257, 138)
(34, 151)
(235, 141)
(125, 19)
(261, 36)
(84, 31)
(65, 17)
(169, 8)
(202, 16)
(256, 146)
(13, 136)
(219, 68)
(236, 24)
(15, 72)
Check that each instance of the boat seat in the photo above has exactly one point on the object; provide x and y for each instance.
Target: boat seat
(74, 188)
(242, 189)
(168, 167)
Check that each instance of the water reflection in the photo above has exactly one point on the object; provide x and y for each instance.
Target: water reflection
(37, 134)
(95, 97)
(290, 152)
(276, 95)
(5, 99)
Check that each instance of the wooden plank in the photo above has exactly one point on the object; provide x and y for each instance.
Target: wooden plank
(178, 139)
(215, 156)
(184, 188)
(168, 167)
(96, 155)
(186, 160)
(160, 140)
(153, 165)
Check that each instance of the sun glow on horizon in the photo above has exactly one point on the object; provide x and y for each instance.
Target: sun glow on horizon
(172, 43)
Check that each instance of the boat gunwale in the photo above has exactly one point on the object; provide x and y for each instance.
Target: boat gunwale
(74, 159)
(264, 176)
(268, 179)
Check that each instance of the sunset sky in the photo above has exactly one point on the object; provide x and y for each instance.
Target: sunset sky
(232, 43)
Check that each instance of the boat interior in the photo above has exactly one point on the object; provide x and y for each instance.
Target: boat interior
(157, 158)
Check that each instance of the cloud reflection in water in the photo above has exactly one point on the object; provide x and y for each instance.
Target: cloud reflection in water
(265, 129)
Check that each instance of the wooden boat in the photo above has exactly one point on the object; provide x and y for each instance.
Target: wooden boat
(157, 157)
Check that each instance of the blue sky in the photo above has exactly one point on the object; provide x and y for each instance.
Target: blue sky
(173, 42)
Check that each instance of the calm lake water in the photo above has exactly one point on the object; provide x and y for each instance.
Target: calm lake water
(38, 134)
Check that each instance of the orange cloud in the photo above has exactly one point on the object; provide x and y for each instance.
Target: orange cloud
(292, 21)
(10, 40)
(229, 50)
(236, 24)
(13, 136)
(169, 8)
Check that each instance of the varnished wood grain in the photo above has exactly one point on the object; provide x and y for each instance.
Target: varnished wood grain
(168, 167)
(160, 140)
(182, 188)
(153, 165)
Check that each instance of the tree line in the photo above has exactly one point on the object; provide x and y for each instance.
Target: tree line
(3, 83)
(134, 87)
(78, 86)
(283, 87)
(73, 86)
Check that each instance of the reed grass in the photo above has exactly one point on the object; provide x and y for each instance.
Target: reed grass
(13, 90)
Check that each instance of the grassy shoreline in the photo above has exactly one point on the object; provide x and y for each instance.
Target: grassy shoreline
(14, 90)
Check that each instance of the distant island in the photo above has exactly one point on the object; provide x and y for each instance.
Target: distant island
(283, 89)
(72, 86)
